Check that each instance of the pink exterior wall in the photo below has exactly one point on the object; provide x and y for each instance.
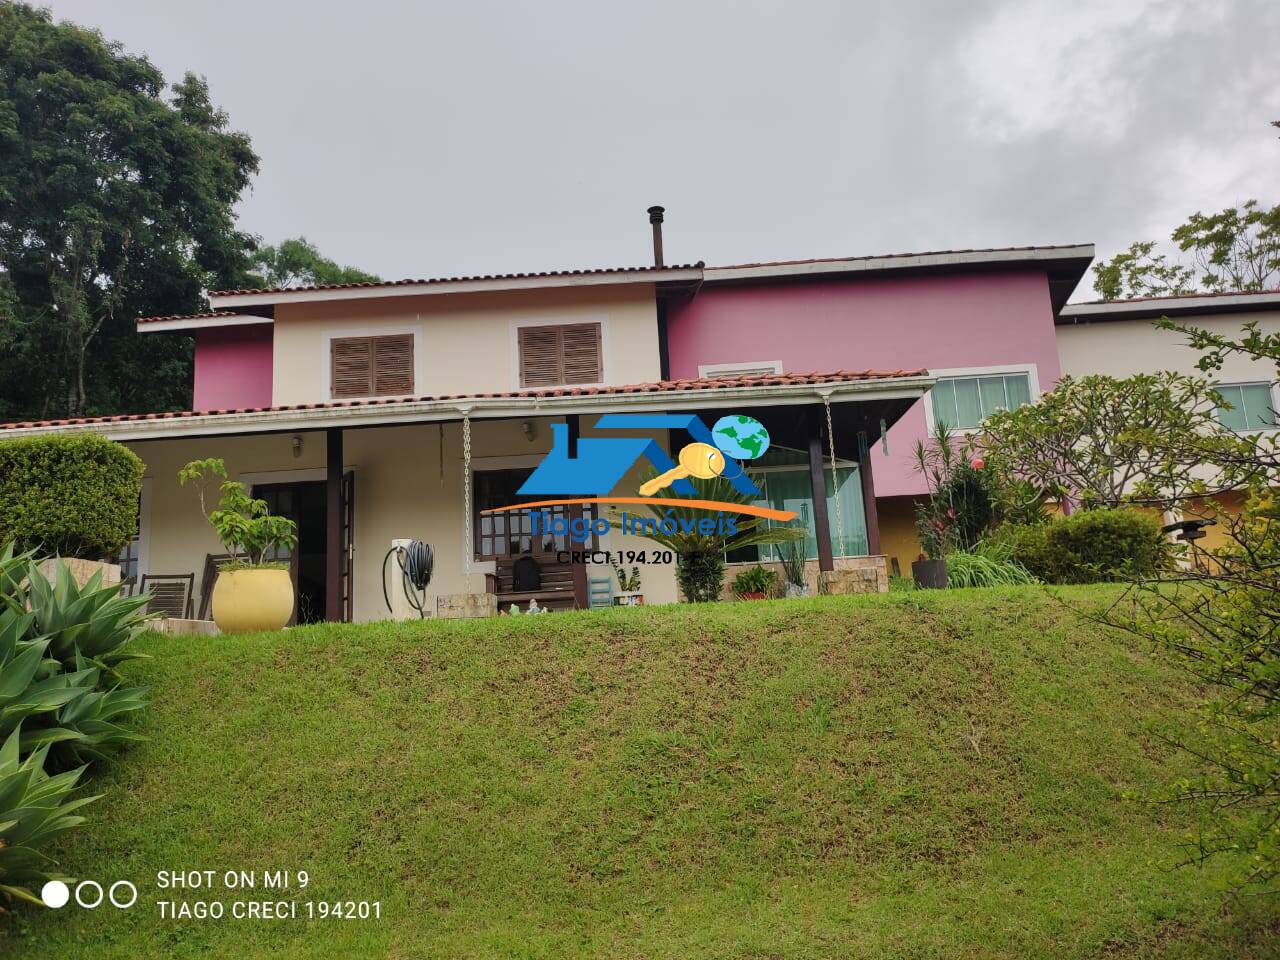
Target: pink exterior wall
(233, 367)
(939, 322)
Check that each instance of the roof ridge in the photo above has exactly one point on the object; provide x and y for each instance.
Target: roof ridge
(1175, 296)
(527, 275)
(893, 256)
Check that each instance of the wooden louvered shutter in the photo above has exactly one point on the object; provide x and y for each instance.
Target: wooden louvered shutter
(351, 370)
(580, 348)
(540, 356)
(560, 354)
(393, 365)
(371, 366)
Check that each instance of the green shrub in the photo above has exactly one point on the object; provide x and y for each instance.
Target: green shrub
(757, 580)
(1090, 546)
(74, 495)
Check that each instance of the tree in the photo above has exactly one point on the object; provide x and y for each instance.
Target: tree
(1220, 621)
(1236, 249)
(298, 263)
(1140, 272)
(115, 202)
(1101, 441)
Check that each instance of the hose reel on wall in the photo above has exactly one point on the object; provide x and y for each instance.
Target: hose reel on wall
(417, 562)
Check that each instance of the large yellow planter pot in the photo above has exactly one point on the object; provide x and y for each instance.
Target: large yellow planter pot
(245, 601)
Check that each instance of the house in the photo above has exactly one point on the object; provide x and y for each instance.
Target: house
(375, 411)
(981, 321)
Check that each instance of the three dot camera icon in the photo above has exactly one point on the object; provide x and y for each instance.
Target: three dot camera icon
(89, 894)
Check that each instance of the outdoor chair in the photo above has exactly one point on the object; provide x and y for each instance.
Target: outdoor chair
(207, 579)
(170, 593)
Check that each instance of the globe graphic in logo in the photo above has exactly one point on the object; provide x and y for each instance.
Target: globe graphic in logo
(743, 438)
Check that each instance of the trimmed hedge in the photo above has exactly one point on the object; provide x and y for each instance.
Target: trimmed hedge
(1091, 546)
(75, 495)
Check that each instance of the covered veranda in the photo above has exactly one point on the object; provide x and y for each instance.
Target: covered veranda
(377, 470)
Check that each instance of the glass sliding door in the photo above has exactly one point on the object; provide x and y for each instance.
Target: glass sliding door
(788, 488)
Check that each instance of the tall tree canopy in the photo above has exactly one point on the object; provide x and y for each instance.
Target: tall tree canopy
(115, 201)
(297, 263)
(1237, 249)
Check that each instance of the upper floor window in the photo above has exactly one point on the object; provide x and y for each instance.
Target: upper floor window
(1252, 406)
(962, 403)
(371, 366)
(560, 354)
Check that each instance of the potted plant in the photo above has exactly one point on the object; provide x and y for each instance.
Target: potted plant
(794, 558)
(957, 512)
(756, 583)
(251, 593)
(628, 594)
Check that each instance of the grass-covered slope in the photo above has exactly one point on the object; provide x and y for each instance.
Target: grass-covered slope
(904, 776)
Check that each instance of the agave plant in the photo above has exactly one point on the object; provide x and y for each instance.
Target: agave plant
(93, 622)
(13, 570)
(86, 727)
(27, 688)
(34, 808)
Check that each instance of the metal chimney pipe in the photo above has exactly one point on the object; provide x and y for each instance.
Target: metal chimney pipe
(655, 218)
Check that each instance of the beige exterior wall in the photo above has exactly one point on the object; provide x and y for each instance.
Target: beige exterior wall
(408, 483)
(464, 343)
(1121, 348)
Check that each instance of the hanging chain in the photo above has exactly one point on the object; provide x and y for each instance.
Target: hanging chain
(835, 477)
(466, 490)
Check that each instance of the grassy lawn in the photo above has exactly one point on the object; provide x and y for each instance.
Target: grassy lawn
(913, 775)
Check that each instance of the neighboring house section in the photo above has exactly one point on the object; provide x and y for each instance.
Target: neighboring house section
(981, 321)
(1119, 338)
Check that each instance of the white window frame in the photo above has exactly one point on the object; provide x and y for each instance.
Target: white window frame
(762, 368)
(1273, 388)
(1033, 388)
(606, 368)
(144, 530)
(327, 337)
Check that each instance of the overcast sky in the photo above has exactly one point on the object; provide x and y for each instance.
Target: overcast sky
(432, 139)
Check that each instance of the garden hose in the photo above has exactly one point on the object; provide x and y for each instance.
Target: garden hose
(417, 562)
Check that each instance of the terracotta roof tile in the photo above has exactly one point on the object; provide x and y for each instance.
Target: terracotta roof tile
(661, 386)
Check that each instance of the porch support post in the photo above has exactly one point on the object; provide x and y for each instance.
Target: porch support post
(818, 486)
(868, 495)
(581, 600)
(333, 558)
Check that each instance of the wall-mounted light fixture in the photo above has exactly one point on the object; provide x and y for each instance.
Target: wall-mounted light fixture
(529, 430)
(295, 442)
